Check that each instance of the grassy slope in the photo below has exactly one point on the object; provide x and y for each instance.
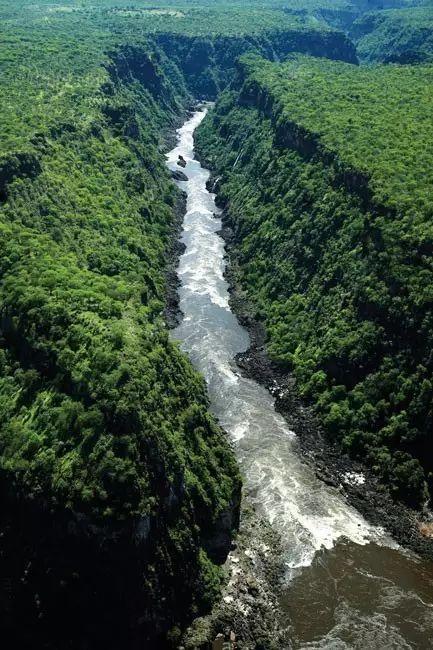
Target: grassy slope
(347, 297)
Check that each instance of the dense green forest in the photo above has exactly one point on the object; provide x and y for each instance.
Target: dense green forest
(109, 456)
(326, 172)
(119, 491)
(397, 35)
(362, 115)
(103, 421)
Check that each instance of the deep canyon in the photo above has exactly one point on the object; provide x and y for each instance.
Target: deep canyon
(216, 368)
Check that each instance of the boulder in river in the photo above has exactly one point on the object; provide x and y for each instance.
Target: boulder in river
(177, 175)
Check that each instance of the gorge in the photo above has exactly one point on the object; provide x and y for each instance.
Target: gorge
(227, 433)
(334, 561)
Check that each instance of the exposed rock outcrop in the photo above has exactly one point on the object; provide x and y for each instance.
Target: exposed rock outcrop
(248, 615)
(177, 175)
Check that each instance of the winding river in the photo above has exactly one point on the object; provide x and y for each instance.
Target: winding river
(348, 584)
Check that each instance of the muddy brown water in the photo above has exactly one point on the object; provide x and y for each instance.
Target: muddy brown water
(348, 585)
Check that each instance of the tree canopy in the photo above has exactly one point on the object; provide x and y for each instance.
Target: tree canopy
(326, 175)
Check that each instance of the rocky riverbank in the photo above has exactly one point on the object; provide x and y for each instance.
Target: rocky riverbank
(172, 313)
(248, 614)
(354, 480)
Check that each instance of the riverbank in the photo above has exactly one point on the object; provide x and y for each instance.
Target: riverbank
(248, 616)
(359, 485)
(172, 312)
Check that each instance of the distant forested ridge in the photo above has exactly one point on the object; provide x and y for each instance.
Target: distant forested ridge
(119, 491)
(326, 175)
(395, 36)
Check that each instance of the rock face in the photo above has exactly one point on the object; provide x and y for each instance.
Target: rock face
(172, 312)
(218, 542)
(208, 65)
(177, 175)
(97, 586)
(248, 616)
(132, 63)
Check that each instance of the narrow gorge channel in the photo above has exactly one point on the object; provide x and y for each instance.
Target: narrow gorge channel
(348, 585)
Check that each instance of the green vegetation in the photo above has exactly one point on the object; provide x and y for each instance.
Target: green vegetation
(326, 173)
(104, 426)
(396, 35)
(108, 454)
(222, 20)
(362, 116)
(87, 215)
(102, 418)
(203, 41)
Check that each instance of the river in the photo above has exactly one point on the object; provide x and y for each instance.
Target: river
(348, 585)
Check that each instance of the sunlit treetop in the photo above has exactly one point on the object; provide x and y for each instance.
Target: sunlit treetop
(378, 120)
